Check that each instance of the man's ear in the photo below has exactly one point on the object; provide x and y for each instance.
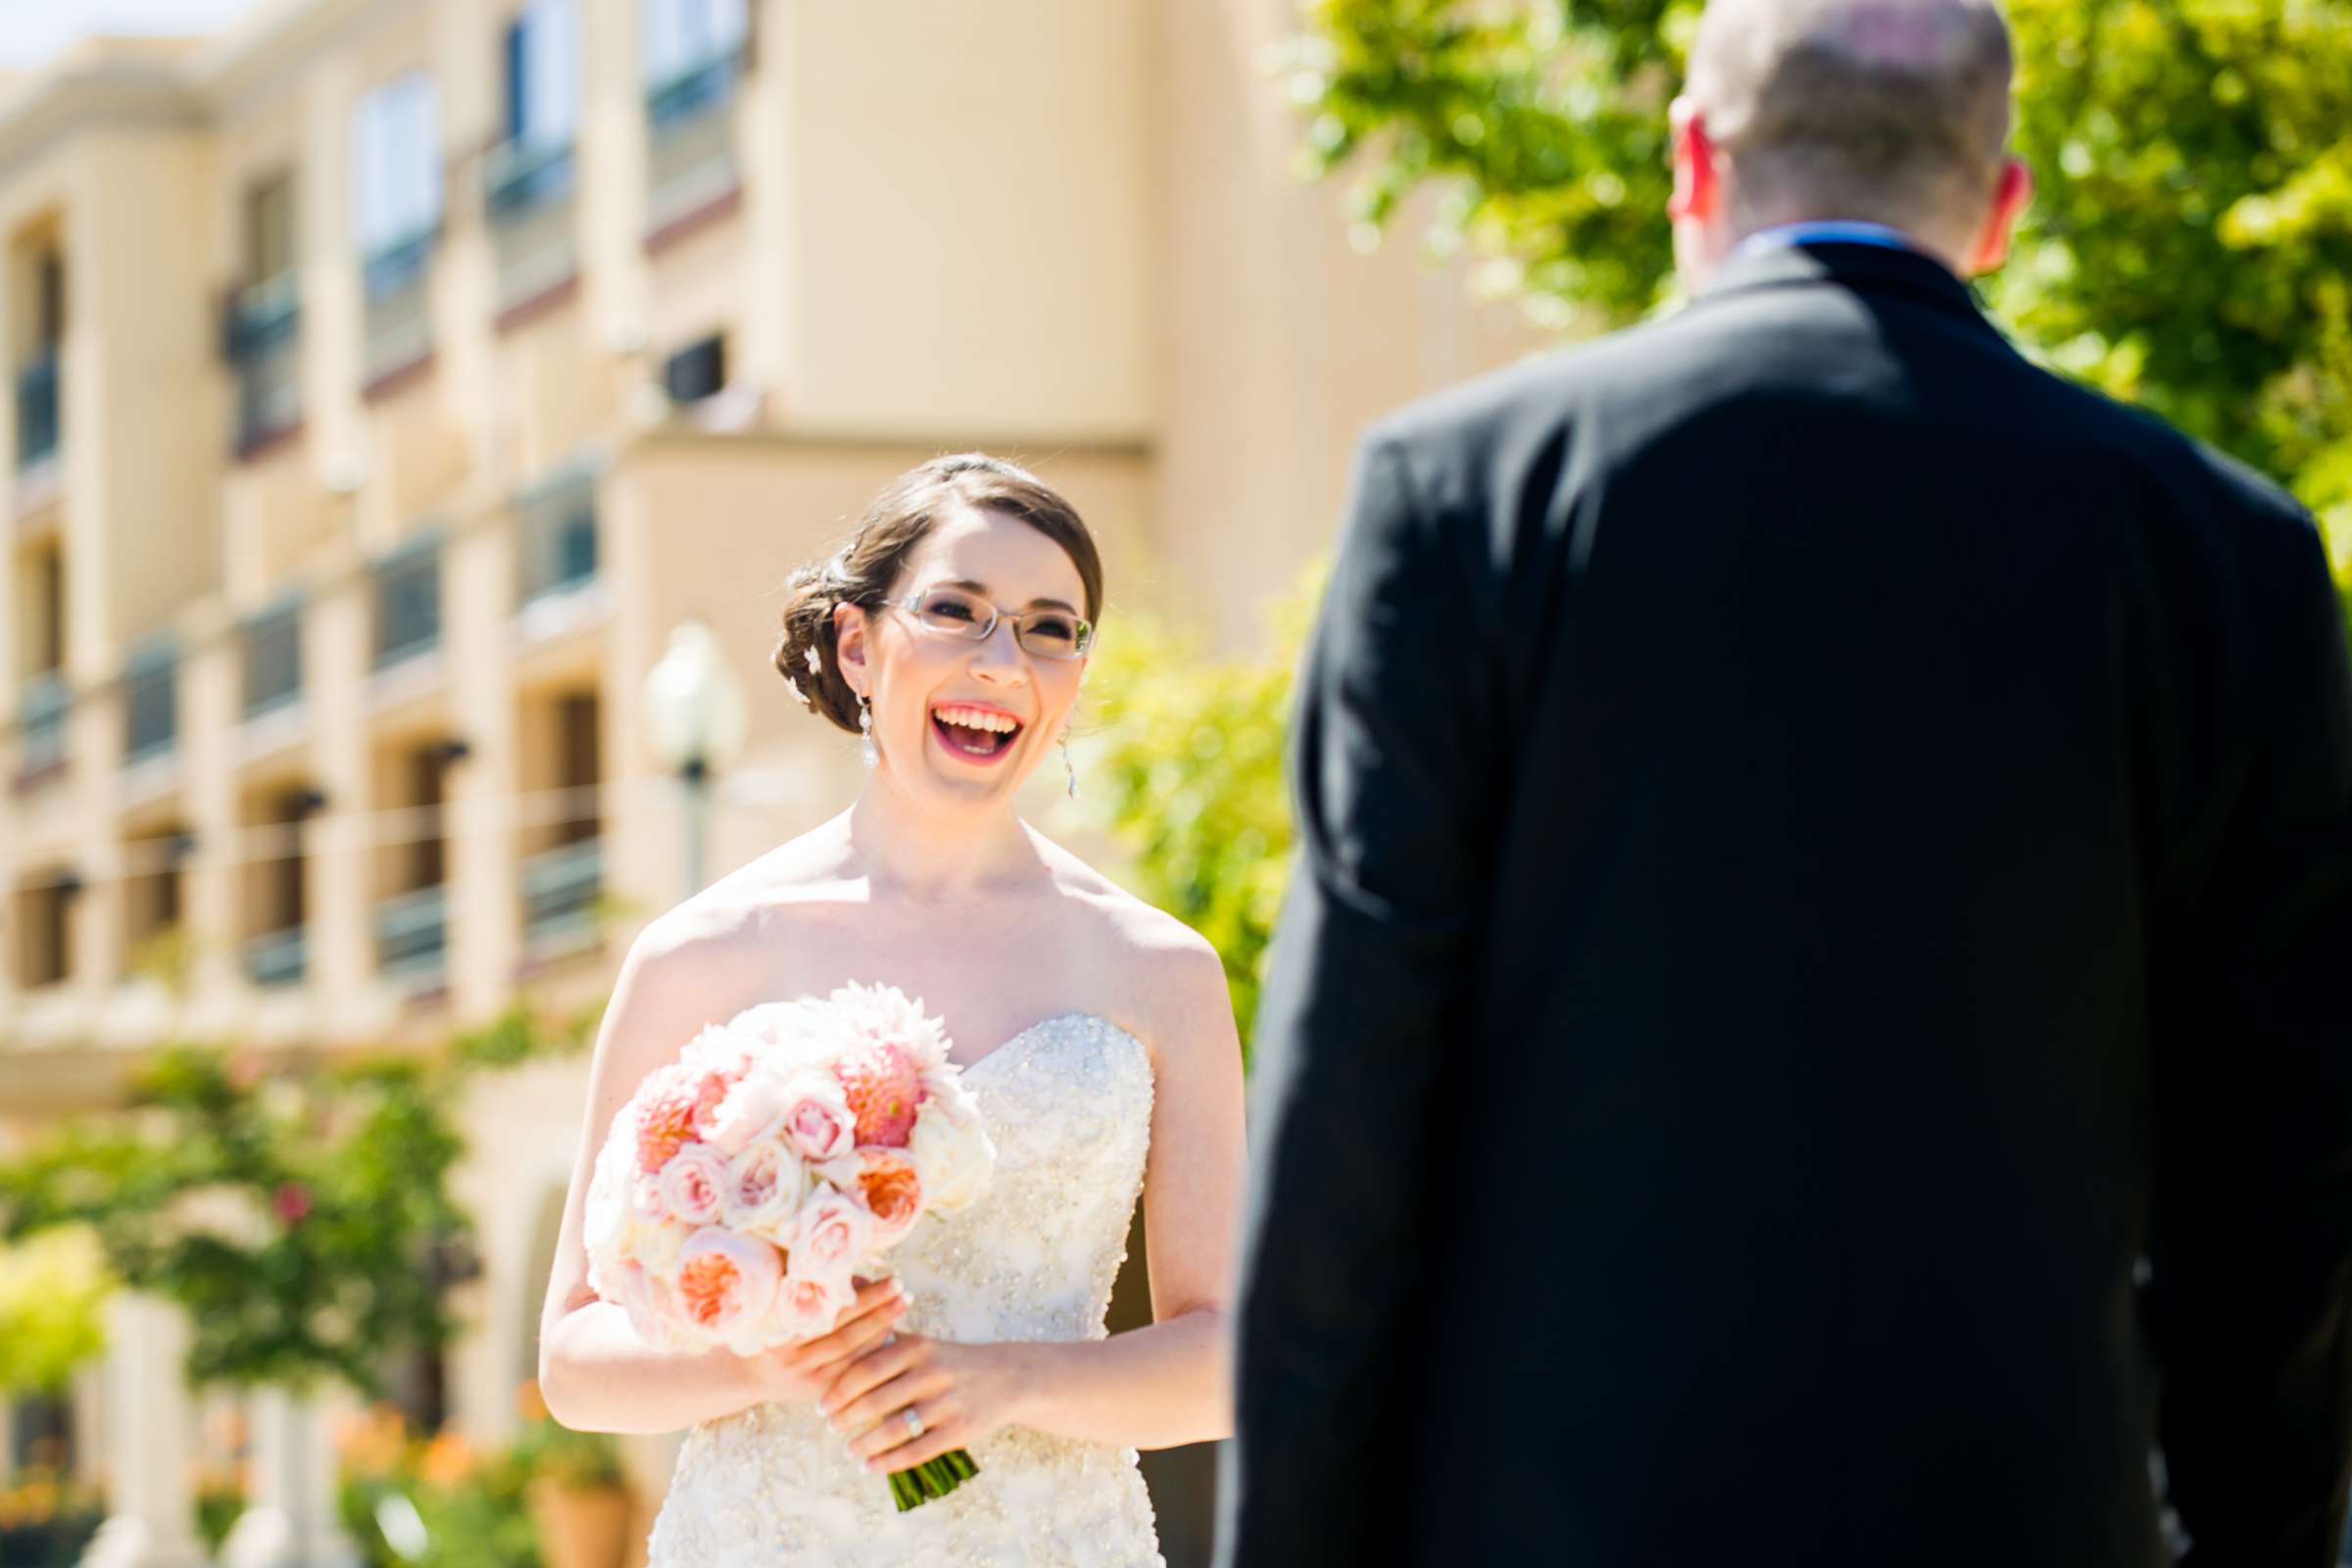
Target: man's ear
(1698, 187)
(2010, 199)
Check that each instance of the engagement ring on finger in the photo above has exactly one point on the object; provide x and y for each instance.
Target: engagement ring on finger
(913, 1420)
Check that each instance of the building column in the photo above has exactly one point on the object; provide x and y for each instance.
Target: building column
(290, 1521)
(148, 1433)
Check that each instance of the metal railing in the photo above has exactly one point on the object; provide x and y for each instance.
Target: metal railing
(520, 176)
(150, 704)
(400, 327)
(411, 935)
(41, 721)
(37, 409)
(278, 957)
(560, 890)
(699, 89)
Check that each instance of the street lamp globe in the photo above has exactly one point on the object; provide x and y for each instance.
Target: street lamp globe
(696, 715)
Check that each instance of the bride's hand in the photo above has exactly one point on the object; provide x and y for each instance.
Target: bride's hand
(960, 1392)
(802, 1372)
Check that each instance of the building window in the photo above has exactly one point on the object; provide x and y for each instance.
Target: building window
(36, 374)
(396, 213)
(43, 923)
(556, 538)
(150, 701)
(534, 165)
(691, 49)
(272, 647)
(696, 371)
(264, 317)
(408, 602)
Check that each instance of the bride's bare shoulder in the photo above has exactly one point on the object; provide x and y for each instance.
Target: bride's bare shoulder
(1167, 975)
(728, 935)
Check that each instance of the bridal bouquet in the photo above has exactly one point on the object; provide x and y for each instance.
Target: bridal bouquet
(784, 1151)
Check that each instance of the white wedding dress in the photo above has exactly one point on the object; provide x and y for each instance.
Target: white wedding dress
(1068, 1105)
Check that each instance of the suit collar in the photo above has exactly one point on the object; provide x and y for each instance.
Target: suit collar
(1865, 268)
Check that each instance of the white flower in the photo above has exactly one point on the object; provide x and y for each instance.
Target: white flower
(951, 1151)
(799, 696)
(749, 1108)
(816, 666)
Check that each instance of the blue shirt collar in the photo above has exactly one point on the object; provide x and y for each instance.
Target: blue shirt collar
(1826, 232)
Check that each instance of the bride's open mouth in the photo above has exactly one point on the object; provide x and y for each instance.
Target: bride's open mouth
(974, 732)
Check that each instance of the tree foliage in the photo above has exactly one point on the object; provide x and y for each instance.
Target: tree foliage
(301, 1217)
(2189, 247)
(1189, 758)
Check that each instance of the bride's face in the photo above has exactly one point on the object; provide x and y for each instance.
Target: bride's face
(963, 722)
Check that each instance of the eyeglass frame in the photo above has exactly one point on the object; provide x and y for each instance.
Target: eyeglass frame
(997, 612)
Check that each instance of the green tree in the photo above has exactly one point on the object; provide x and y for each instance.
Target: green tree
(2189, 249)
(1188, 762)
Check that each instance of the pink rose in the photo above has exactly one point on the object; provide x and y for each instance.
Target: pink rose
(835, 1232)
(888, 1185)
(693, 1184)
(727, 1282)
(765, 1186)
(817, 1118)
(807, 1304)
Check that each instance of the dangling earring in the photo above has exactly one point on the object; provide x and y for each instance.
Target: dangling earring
(866, 748)
(1067, 765)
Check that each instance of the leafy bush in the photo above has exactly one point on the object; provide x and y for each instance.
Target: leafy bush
(432, 1502)
(1188, 756)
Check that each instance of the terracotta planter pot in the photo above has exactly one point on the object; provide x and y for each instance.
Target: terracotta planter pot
(580, 1529)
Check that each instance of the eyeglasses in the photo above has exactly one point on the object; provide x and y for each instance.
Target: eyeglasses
(1040, 633)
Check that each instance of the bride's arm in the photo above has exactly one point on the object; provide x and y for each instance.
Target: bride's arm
(1149, 1387)
(596, 1373)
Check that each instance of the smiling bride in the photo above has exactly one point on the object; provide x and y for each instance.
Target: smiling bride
(1095, 1032)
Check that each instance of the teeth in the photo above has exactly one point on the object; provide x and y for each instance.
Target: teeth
(977, 718)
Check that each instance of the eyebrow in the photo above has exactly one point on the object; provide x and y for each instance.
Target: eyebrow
(982, 589)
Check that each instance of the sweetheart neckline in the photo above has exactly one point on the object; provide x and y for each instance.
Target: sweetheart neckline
(966, 1069)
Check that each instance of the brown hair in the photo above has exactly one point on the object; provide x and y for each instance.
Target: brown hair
(866, 569)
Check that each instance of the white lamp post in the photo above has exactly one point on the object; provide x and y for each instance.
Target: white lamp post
(695, 716)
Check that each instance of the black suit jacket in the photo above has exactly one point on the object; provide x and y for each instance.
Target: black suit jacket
(1811, 1023)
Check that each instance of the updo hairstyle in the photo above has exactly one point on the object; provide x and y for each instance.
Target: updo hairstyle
(865, 570)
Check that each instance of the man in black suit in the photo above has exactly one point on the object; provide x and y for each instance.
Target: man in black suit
(1812, 1021)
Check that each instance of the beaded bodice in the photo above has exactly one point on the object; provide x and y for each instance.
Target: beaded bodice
(1068, 1105)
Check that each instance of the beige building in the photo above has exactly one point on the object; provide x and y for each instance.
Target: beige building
(388, 377)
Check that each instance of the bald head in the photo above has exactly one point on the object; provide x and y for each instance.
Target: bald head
(1892, 111)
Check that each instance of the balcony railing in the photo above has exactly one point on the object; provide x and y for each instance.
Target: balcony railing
(700, 89)
(264, 346)
(412, 936)
(691, 162)
(399, 328)
(278, 957)
(408, 604)
(520, 176)
(150, 704)
(272, 646)
(37, 409)
(560, 889)
(42, 722)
